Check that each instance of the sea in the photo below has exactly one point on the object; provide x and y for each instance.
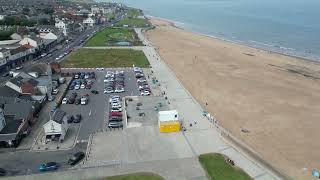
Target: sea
(289, 27)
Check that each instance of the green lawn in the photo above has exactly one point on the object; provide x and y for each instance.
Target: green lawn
(136, 176)
(92, 58)
(110, 36)
(218, 168)
(133, 13)
(133, 22)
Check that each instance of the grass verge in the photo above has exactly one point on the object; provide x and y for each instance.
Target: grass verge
(109, 58)
(218, 168)
(136, 176)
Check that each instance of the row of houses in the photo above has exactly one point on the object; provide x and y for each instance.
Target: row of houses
(26, 46)
(21, 98)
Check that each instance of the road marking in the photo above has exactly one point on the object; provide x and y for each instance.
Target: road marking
(90, 113)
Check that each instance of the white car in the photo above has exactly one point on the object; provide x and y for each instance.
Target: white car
(116, 106)
(82, 86)
(43, 55)
(108, 91)
(116, 110)
(145, 93)
(108, 80)
(57, 58)
(19, 67)
(114, 99)
(64, 101)
(120, 90)
(84, 101)
(141, 80)
(86, 76)
(55, 91)
(77, 87)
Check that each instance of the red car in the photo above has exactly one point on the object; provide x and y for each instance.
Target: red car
(118, 114)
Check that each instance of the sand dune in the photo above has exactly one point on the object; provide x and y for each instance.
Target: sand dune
(273, 96)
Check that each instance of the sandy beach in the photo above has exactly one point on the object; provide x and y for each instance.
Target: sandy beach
(274, 97)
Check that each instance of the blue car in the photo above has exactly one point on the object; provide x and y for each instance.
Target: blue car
(50, 166)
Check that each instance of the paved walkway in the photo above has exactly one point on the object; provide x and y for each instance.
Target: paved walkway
(202, 137)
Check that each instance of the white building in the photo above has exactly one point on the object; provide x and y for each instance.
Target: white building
(62, 26)
(27, 40)
(49, 35)
(88, 22)
(57, 126)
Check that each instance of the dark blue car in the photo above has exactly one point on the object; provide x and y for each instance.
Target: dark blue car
(50, 166)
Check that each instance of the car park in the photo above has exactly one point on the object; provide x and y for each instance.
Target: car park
(50, 166)
(77, 157)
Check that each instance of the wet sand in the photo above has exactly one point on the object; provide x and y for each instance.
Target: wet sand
(275, 97)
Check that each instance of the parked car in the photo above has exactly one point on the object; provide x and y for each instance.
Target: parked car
(77, 157)
(145, 93)
(78, 101)
(95, 92)
(71, 100)
(141, 80)
(5, 74)
(55, 91)
(115, 118)
(116, 109)
(50, 98)
(108, 90)
(77, 118)
(77, 87)
(82, 86)
(84, 101)
(19, 67)
(64, 101)
(119, 114)
(115, 124)
(70, 118)
(88, 86)
(50, 166)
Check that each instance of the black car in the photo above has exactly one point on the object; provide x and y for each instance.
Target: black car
(78, 101)
(76, 158)
(3, 172)
(71, 100)
(95, 92)
(70, 118)
(77, 118)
